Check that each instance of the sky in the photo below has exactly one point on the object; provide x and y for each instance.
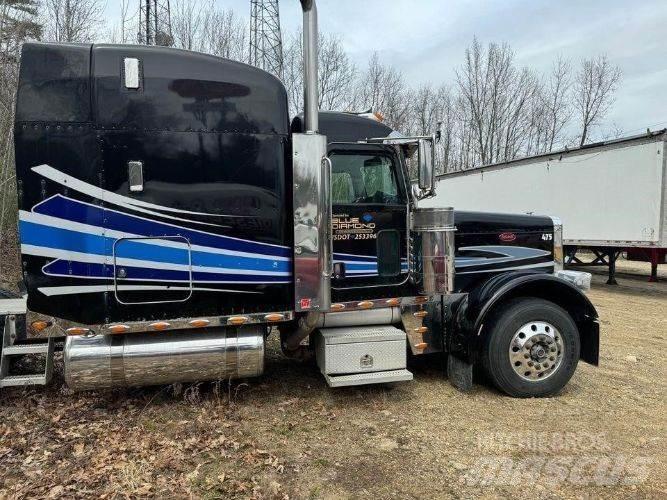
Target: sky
(426, 40)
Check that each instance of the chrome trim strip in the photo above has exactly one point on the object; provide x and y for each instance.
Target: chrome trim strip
(59, 326)
(558, 244)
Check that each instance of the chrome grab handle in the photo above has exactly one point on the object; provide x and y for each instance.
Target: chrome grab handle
(328, 244)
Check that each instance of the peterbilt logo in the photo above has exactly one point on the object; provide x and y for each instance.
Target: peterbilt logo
(507, 237)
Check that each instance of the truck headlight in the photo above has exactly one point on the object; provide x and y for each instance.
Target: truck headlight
(579, 279)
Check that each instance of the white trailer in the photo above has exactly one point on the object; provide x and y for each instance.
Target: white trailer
(610, 196)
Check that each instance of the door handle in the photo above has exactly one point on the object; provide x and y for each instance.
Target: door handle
(326, 178)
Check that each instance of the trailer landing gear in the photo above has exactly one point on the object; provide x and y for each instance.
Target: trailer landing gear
(603, 256)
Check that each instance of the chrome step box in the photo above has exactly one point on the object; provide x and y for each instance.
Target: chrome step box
(361, 355)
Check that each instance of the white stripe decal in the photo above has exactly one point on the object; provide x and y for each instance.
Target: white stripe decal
(50, 291)
(102, 194)
(527, 266)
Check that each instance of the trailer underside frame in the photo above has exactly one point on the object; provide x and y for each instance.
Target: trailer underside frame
(608, 255)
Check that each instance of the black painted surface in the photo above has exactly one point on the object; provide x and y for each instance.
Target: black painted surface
(478, 229)
(54, 83)
(213, 136)
(345, 127)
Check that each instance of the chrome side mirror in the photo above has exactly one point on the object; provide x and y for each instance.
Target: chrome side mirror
(426, 163)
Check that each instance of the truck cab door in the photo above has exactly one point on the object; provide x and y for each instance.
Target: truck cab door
(369, 217)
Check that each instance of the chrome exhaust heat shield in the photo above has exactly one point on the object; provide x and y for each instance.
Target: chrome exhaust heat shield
(139, 359)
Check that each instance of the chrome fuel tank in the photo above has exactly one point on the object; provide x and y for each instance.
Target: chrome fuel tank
(105, 361)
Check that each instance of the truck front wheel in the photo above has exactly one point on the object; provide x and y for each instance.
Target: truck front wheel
(532, 348)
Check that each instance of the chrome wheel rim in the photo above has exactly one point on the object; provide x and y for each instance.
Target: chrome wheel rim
(536, 351)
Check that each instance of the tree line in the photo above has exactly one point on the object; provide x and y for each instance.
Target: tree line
(493, 110)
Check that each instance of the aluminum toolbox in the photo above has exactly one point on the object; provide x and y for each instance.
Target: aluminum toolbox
(362, 355)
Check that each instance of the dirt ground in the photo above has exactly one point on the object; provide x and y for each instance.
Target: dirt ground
(288, 435)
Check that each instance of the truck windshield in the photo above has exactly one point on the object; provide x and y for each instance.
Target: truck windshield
(363, 178)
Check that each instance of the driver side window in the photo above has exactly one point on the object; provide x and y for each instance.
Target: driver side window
(363, 178)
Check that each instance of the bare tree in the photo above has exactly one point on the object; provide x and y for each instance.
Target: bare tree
(382, 88)
(293, 72)
(556, 103)
(122, 32)
(335, 70)
(224, 34)
(203, 27)
(495, 102)
(337, 74)
(187, 24)
(72, 20)
(19, 22)
(593, 92)
(432, 109)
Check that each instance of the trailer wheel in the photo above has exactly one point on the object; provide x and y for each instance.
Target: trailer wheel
(532, 348)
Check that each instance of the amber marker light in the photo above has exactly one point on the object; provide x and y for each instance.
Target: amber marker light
(237, 320)
(119, 328)
(77, 330)
(365, 304)
(273, 317)
(421, 329)
(199, 323)
(337, 307)
(421, 300)
(421, 345)
(420, 314)
(38, 326)
(160, 325)
(394, 302)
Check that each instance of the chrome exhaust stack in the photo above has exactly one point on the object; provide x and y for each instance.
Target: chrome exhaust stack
(310, 84)
(139, 359)
(311, 193)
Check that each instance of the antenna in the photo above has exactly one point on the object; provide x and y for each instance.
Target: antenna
(155, 23)
(266, 44)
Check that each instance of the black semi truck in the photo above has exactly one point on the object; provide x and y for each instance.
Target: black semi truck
(172, 218)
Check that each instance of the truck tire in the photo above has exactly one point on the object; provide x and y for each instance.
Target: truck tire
(532, 348)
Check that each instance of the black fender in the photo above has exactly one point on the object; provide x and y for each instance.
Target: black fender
(468, 328)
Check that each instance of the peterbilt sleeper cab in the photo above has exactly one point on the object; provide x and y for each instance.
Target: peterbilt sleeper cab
(172, 217)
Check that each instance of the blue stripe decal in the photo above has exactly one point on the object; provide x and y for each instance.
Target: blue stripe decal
(102, 271)
(74, 241)
(359, 258)
(76, 211)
